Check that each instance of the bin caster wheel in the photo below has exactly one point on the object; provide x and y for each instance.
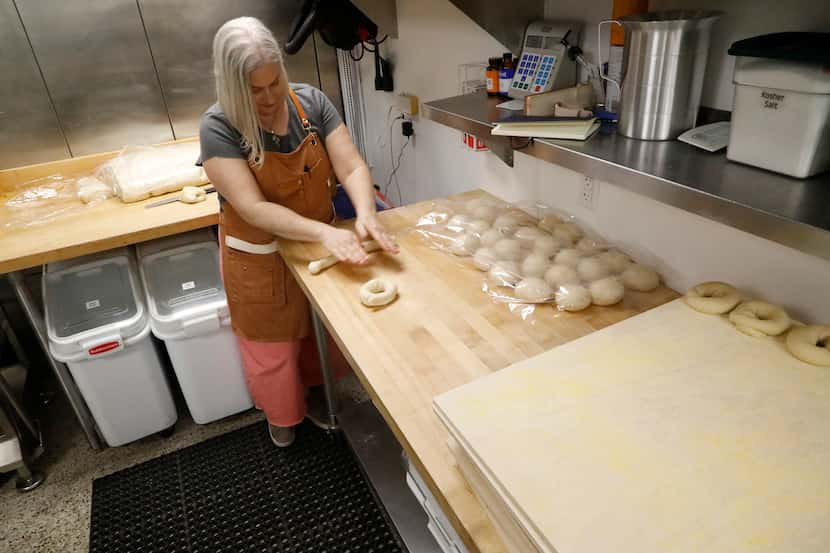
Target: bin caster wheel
(167, 432)
(27, 484)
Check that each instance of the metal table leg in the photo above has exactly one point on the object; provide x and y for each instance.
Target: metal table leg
(61, 371)
(325, 366)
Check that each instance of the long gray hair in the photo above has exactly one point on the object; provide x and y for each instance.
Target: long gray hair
(240, 46)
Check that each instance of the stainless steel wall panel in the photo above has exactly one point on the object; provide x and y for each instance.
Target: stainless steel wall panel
(98, 68)
(181, 36)
(29, 130)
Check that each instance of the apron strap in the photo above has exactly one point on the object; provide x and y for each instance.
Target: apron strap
(300, 111)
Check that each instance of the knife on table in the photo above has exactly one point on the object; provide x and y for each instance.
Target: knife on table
(166, 201)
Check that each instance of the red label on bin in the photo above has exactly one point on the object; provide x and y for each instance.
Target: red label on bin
(103, 348)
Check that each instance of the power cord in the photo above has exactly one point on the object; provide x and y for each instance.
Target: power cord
(395, 168)
(396, 164)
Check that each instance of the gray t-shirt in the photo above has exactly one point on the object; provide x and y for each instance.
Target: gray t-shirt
(218, 138)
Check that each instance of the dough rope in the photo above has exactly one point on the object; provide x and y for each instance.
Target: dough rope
(759, 318)
(714, 298)
(378, 292)
(810, 344)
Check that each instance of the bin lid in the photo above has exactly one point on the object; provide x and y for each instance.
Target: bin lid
(803, 47)
(86, 296)
(183, 282)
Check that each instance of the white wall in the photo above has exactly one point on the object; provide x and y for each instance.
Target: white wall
(434, 38)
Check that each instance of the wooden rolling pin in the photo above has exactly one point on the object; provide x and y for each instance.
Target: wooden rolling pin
(319, 265)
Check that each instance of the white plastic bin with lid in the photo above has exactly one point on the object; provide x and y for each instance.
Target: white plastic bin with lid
(189, 311)
(781, 113)
(98, 326)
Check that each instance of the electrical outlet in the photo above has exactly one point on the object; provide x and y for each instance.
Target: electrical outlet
(407, 103)
(590, 190)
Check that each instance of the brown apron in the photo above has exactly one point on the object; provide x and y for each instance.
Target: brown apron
(266, 303)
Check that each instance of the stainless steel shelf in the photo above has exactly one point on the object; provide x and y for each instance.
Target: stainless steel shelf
(792, 212)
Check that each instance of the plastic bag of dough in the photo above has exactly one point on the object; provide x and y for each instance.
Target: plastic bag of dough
(138, 173)
(40, 201)
(531, 254)
(475, 209)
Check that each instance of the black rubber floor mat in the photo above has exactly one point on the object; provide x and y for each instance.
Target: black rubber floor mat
(239, 493)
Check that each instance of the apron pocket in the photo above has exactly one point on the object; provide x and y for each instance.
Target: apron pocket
(255, 278)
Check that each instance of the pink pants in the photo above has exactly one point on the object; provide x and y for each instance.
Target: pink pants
(278, 374)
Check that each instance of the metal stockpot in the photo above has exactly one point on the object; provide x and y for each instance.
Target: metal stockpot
(663, 65)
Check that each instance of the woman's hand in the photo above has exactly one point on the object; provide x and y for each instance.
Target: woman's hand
(368, 226)
(344, 245)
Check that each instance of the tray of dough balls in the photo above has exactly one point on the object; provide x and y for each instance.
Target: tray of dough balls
(534, 254)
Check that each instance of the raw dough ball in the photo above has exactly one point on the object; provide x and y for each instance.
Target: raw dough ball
(606, 291)
(567, 232)
(559, 275)
(640, 278)
(549, 222)
(573, 297)
(714, 298)
(485, 213)
(505, 273)
(378, 292)
(568, 256)
(534, 290)
(491, 236)
(528, 235)
(616, 260)
(535, 265)
(484, 258)
(459, 222)
(759, 318)
(810, 344)
(522, 217)
(507, 223)
(479, 226)
(508, 249)
(588, 246)
(472, 205)
(192, 195)
(465, 244)
(547, 245)
(592, 268)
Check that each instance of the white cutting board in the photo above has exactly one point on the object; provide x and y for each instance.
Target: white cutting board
(668, 432)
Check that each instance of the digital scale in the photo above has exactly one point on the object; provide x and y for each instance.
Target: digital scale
(545, 64)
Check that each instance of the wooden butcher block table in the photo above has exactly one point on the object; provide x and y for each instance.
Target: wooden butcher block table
(103, 226)
(441, 332)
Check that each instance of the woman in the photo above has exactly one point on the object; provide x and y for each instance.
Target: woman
(272, 150)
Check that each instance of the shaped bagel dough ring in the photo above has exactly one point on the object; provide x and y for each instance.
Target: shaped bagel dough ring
(714, 298)
(810, 344)
(759, 318)
(378, 292)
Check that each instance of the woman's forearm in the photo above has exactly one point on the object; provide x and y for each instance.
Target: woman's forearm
(358, 185)
(283, 222)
